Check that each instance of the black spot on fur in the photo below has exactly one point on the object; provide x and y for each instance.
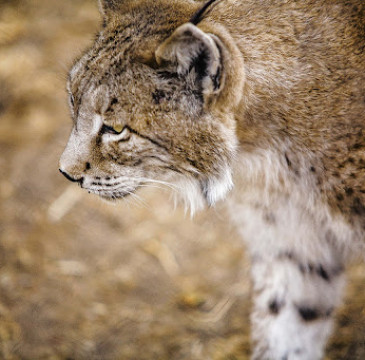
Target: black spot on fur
(312, 169)
(322, 273)
(158, 96)
(312, 269)
(275, 306)
(308, 314)
(356, 146)
(358, 207)
(87, 166)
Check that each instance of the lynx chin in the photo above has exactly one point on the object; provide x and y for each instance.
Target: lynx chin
(258, 103)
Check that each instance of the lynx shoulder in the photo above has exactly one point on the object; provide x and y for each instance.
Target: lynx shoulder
(261, 103)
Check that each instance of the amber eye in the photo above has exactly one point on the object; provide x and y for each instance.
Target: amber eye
(118, 128)
(115, 129)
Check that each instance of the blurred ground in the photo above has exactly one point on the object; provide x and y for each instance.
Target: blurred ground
(83, 280)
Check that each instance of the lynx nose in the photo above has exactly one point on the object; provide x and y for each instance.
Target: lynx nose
(68, 177)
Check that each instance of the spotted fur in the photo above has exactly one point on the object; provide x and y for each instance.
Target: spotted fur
(263, 97)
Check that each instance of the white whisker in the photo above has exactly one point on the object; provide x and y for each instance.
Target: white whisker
(139, 201)
(153, 186)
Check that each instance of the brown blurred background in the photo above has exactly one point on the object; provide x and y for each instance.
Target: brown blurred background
(80, 279)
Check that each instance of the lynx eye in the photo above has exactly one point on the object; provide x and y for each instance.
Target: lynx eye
(122, 132)
(114, 129)
(117, 128)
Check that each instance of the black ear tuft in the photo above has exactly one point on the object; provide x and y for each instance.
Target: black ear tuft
(198, 16)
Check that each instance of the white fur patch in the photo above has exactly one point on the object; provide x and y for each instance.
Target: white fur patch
(218, 187)
(189, 193)
(264, 186)
(97, 124)
(196, 196)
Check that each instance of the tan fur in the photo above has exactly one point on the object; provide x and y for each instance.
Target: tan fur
(271, 91)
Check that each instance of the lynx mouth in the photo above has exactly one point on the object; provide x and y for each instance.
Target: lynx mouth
(112, 195)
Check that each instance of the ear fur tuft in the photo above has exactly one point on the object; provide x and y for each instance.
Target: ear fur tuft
(198, 16)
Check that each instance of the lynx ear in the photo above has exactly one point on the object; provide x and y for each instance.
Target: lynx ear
(190, 51)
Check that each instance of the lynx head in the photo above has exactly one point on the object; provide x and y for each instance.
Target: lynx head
(152, 101)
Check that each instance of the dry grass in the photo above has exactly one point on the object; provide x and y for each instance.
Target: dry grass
(84, 280)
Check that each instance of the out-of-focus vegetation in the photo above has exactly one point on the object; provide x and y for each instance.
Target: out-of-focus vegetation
(83, 280)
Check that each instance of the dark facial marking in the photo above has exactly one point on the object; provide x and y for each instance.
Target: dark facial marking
(146, 138)
(173, 168)
(124, 140)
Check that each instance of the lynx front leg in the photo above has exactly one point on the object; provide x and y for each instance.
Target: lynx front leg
(293, 305)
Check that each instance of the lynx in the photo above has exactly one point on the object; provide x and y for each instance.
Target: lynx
(260, 103)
